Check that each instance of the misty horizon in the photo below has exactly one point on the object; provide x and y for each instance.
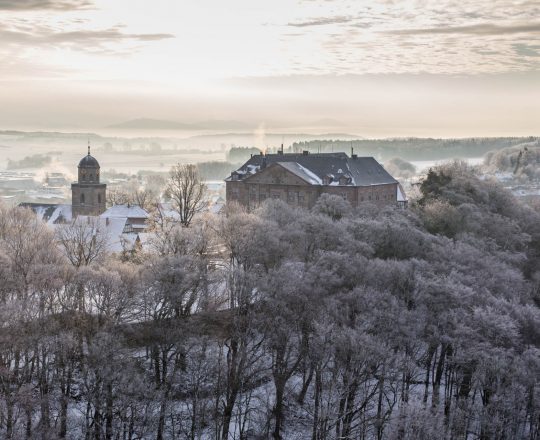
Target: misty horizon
(383, 69)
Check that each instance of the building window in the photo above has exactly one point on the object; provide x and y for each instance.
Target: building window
(293, 197)
(99, 198)
(82, 199)
(253, 193)
(235, 193)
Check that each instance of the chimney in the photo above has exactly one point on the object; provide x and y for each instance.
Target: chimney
(263, 163)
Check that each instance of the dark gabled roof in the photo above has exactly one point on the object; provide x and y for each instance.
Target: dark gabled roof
(363, 171)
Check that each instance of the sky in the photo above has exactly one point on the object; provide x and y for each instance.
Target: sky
(445, 68)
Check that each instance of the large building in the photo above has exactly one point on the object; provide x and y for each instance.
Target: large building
(299, 180)
(88, 196)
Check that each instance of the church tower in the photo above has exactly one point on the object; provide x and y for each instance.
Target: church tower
(88, 196)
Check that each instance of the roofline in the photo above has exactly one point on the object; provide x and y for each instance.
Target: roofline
(279, 164)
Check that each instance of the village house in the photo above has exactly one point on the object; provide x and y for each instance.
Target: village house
(300, 178)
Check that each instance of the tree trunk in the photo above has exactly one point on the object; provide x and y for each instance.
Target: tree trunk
(65, 389)
(305, 386)
(380, 406)
(349, 410)
(438, 376)
(278, 408)
(232, 386)
(430, 354)
(109, 412)
(318, 387)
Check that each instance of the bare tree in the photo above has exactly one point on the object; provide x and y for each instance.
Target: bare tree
(82, 241)
(143, 197)
(186, 191)
(117, 197)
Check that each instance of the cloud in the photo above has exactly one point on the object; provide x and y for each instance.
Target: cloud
(322, 21)
(43, 35)
(475, 29)
(60, 5)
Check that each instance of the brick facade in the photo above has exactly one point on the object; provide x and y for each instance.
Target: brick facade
(88, 199)
(277, 182)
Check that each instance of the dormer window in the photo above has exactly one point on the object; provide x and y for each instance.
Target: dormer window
(327, 180)
(344, 180)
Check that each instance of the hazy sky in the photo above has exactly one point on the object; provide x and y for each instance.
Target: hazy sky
(380, 68)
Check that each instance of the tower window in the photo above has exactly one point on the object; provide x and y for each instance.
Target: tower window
(82, 199)
(99, 198)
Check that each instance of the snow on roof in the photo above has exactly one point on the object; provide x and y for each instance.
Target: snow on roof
(168, 212)
(129, 211)
(51, 213)
(302, 172)
(364, 171)
(113, 228)
(253, 168)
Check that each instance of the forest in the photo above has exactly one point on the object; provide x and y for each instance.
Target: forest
(281, 323)
(415, 148)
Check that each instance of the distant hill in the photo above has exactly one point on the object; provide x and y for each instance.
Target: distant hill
(213, 124)
(161, 124)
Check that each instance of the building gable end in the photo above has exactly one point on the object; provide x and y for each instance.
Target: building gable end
(276, 174)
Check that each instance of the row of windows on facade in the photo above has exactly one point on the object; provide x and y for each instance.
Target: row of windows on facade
(295, 196)
(98, 199)
(326, 180)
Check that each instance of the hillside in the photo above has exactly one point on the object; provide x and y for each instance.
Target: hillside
(282, 323)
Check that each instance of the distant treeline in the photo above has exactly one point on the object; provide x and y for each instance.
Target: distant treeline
(216, 170)
(34, 161)
(241, 154)
(413, 148)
